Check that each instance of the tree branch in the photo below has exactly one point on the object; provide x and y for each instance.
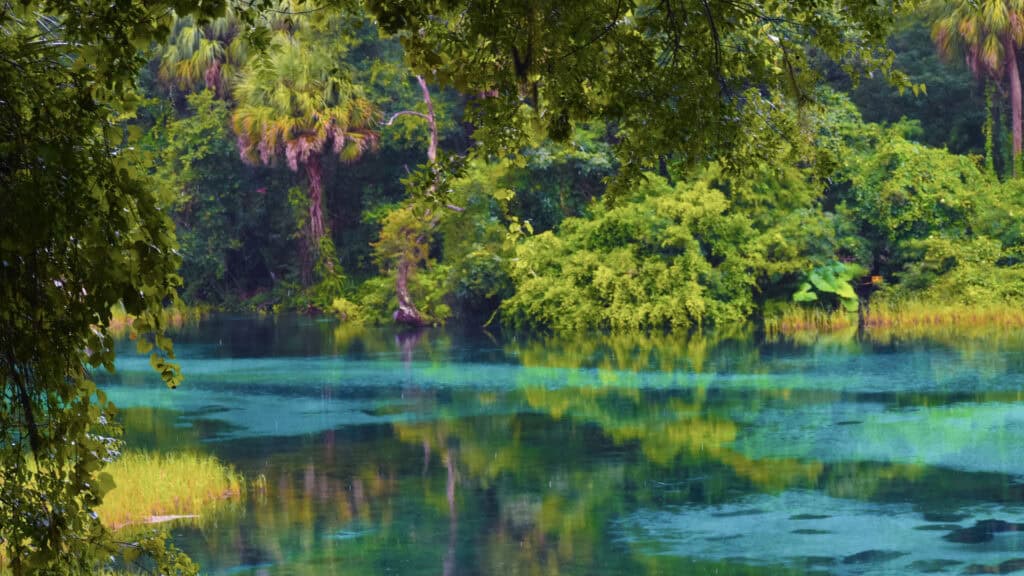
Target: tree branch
(395, 116)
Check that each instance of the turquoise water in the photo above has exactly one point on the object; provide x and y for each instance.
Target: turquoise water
(472, 453)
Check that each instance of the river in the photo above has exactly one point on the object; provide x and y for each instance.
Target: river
(372, 451)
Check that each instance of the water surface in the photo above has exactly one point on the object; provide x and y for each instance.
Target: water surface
(472, 453)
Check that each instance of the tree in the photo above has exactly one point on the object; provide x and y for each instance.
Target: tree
(293, 103)
(988, 33)
(672, 257)
(207, 55)
(81, 231)
(689, 79)
(408, 231)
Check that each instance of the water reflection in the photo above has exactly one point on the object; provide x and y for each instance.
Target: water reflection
(453, 453)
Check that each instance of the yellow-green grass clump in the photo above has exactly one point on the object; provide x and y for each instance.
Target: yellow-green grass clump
(800, 319)
(906, 318)
(152, 487)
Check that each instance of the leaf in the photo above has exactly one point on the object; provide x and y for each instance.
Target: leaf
(104, 482)
(144, 346)
(823, 280)
(845, 291)
(804, 294)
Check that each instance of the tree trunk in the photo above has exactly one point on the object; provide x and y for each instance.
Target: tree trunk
(407, 312)
(315, 230)
(431, 120)
(990, 163)
(1013, 75)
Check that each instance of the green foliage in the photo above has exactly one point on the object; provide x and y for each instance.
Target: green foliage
(347, 311)
(673, 78)
(673, 257)
(937, 226)
(833, 278)
(554, 181)
(973, 272)
(889, 191)
(952, 111)
(232, 221)
(191, 150)
(82, 231)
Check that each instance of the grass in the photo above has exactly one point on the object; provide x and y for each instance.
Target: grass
(905, 319)
(153, 487)
(802, 319)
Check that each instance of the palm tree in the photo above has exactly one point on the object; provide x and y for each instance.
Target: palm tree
(207, 55)
(988, 33)
(293, 104)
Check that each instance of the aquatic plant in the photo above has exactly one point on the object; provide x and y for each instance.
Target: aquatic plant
(902, 318)
(832, 278)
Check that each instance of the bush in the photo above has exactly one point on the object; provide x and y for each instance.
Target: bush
(672, 257)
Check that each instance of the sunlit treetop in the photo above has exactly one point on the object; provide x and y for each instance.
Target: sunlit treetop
(687, 79)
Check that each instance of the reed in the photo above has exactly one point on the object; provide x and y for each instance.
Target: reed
(152, 487)
(903, 318)
(803, 319)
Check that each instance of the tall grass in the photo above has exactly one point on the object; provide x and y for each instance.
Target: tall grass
(151, 487)
(801, 319)
(904, 318)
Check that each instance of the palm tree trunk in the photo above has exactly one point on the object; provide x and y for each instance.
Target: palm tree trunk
(990, 162)
(1013, 74)
(315, 231)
